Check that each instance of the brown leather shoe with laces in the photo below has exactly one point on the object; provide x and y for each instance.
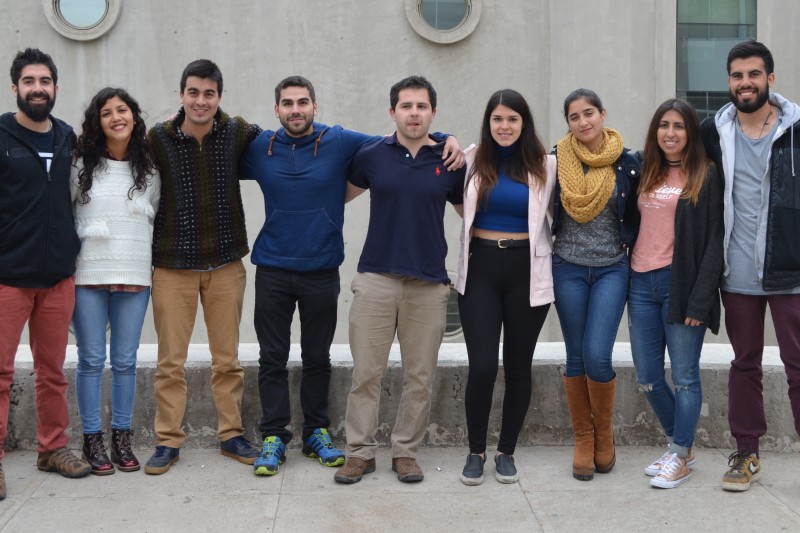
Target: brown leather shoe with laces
(64, 462)
(407, 469)
(353, 470)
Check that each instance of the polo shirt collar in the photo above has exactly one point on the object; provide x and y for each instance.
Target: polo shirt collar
(437, 148)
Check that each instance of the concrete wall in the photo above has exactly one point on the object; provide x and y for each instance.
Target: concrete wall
(353, 51)
(547, 421)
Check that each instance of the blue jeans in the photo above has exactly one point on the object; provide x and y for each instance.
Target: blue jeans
(124, 311)
(589, 302)
(651, 334)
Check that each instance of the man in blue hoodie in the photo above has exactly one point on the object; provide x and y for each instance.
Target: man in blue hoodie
(302, 170)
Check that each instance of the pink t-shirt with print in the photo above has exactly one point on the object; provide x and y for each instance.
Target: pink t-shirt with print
(656, 238)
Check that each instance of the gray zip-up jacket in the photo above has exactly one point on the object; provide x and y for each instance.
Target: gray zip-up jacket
(776, 253)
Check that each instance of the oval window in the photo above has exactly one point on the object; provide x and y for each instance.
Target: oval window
(443, 21)
(444, 15)
(82, 14)
(82, 20)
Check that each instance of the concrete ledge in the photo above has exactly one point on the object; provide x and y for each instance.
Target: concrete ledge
(547, 422)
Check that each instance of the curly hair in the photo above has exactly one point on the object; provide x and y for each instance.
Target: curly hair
(91, 145)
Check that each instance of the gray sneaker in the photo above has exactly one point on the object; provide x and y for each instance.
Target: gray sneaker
(505, 472)
(473, 471)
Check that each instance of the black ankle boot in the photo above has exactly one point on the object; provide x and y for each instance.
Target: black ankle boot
(94, 452)
(121, 452)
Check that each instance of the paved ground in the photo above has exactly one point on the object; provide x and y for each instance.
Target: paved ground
(208, 492)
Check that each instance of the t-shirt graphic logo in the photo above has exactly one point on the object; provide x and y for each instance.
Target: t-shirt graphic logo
(48, 159)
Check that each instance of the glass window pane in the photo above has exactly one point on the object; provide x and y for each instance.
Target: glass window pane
(444, 14)
(707, 30)
(717, 11)
(82, 13)
(453, 324)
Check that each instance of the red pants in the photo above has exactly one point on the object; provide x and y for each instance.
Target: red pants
(744, 322)
(48, 313)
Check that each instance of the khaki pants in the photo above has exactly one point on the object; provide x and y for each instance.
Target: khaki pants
(382, 306)
(175, 294)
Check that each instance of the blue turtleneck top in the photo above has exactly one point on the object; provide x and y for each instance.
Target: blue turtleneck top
(507, 206)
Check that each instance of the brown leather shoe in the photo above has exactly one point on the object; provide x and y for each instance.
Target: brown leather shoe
(2, 483)
(64, 462)
(407, 469)
(354, 468)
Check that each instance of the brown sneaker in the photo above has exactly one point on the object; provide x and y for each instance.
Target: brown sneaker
(407, 469)
(64, 462)
(2, 483)
(354, 468)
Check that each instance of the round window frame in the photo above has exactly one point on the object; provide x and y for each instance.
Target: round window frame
(462, 31)
(53, 15)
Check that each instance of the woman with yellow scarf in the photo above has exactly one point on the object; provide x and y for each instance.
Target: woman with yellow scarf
(594, 225)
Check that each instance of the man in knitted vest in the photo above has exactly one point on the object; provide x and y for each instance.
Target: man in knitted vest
(199, 240)
(38, 248)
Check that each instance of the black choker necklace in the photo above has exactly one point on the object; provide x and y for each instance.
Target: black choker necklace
(674, 163)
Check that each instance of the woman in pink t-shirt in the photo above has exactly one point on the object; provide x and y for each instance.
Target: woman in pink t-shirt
(674, 287)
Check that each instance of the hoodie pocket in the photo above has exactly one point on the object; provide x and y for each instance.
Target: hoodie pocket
(22, 248)
(300, 235)
(785, 253)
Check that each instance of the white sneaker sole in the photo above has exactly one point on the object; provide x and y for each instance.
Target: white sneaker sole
(470, 481)
(741, 487)
(506, 479)
(652, 471)
(666, 484)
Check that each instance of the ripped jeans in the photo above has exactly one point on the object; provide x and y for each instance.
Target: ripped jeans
(678, 411)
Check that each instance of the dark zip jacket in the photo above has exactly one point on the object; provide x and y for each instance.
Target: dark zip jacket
(38, 241)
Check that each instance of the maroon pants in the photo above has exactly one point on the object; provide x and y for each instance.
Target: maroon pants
(744, 322)
(48, 313)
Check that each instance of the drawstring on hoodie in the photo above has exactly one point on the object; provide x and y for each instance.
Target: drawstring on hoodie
(316, 142)
(791, 145)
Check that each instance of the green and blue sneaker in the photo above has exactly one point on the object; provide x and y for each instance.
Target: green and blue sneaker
(319, 445)
(273, 454)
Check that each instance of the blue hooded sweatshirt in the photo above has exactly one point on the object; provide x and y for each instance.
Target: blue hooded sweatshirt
(304, 182)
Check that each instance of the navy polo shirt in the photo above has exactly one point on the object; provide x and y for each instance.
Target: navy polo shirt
(408, 196)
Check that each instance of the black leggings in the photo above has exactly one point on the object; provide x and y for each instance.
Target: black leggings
(497, 295)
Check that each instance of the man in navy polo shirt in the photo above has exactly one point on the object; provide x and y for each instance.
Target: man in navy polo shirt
(401, 286)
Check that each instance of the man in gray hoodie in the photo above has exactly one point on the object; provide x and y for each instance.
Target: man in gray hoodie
(754, 140)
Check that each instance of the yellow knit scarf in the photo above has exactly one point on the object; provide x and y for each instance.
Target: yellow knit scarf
(585, 195)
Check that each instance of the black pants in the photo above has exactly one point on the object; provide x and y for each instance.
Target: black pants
(497, 295)
(316, 294)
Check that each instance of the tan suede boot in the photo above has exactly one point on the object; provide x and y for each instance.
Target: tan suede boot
(601, 396)
(582, 425)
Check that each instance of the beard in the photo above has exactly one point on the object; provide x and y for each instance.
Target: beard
(298, 130)
(36, 112)
(753, 105)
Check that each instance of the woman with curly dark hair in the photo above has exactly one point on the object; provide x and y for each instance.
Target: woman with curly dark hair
(115, 193)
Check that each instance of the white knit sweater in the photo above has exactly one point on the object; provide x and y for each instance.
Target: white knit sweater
(116, 232)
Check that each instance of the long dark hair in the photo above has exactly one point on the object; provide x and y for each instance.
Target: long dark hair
(529, 156)
(91, 145)
(694, 162)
